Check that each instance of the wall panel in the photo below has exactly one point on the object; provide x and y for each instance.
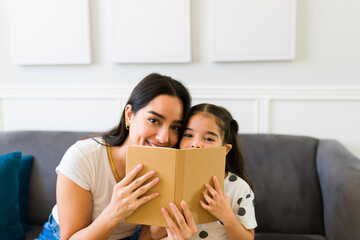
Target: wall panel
(245, 112)
(60, 114)
(333, 119)
(330, 112)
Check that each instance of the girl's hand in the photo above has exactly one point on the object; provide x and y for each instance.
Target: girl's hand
(185, 227)
(128, 194)
(218, 204)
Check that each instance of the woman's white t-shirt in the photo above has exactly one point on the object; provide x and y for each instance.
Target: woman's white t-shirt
(242, 201)
(86, 164)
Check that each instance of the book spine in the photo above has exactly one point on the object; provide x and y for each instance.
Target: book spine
(179, 178)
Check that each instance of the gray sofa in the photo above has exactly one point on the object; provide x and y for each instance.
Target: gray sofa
(305, 188)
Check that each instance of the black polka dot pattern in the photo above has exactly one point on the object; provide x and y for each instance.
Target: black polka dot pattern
(249, 195)
(232, 178)
(239, 201)
(203, 234)
(241, 211)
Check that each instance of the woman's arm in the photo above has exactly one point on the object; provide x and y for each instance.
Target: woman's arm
(75, 206)
(218, 204)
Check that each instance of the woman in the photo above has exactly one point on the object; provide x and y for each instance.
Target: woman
(93, 193)
(210, 126)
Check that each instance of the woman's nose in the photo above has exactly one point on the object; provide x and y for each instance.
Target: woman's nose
(163, 135)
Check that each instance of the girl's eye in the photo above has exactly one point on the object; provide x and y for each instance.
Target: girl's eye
(209, 139)
(187, 135)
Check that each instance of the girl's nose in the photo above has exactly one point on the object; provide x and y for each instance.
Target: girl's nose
(196, 144)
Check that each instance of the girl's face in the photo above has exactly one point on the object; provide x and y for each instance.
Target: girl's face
(156, 124)
(202, 131)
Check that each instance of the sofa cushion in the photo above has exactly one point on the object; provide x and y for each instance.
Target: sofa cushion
(24, 180)
(47, 147)
(10, 225)
(276, 236)
(287, 191)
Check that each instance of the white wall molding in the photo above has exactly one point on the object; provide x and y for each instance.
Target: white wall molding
(198, 92)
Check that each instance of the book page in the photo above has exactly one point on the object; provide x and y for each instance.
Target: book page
(200, 165)
(162, 161)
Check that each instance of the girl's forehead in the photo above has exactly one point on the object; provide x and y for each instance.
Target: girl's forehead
(203, 115)
(203, 120)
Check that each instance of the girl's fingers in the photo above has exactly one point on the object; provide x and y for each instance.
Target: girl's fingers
(205, 206)
(217, 185)
(130, 176)
(211, 190)
(207, 198)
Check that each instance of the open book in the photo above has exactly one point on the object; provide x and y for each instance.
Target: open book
(183, 174)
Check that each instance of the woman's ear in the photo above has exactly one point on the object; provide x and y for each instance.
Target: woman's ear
(128, 113)
(228, 148)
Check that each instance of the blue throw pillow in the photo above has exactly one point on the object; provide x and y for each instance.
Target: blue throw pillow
(26, 163)
(10, 226)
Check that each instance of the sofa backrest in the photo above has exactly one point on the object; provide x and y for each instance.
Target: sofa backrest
(47, 147)
(281, 167)
(287, 191)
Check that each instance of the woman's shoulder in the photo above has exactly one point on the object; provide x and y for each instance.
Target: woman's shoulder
(89, 143)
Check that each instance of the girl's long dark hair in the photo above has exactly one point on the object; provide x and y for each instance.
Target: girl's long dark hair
(229, 128)
(146, 90)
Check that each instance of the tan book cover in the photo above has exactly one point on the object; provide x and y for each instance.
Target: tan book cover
(183, 174)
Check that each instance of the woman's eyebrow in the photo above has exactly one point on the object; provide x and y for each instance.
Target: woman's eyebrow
(163, 117)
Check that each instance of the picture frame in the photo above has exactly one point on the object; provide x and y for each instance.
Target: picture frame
(50, 32)
(262, 30)
(159, 31)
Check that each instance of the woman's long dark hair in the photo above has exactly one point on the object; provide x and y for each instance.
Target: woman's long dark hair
(146, 90)
(229, 128)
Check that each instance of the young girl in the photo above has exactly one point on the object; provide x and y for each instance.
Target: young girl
(209, 126)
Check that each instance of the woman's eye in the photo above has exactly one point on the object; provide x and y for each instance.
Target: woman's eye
(153, 120)
(176, 128)
(187, 135)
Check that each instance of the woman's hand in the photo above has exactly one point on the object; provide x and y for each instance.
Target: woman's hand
(128, 194)
(185, 227)
(218, 204)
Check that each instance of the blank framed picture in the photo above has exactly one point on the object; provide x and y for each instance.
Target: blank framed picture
(50, 32)
(151, 31)
(257, 30)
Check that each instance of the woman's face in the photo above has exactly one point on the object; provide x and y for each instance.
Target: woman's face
(202, 131)
(156, 124)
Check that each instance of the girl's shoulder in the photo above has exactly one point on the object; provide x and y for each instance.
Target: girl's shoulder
(233, 179)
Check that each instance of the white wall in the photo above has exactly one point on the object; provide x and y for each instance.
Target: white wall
(317, 94)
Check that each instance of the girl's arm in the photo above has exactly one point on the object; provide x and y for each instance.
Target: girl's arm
(75, 206)
(218, 204)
